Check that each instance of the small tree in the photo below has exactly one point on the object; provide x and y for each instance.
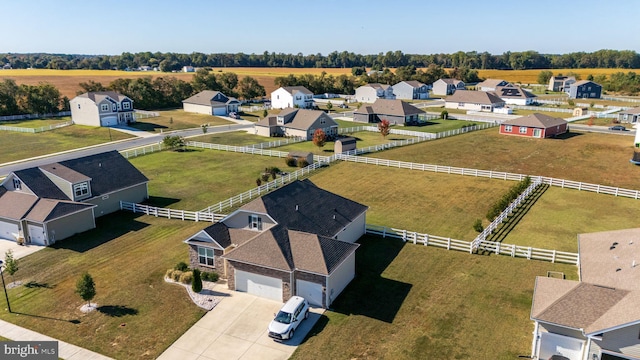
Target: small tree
(265, 177)
(173, 142)
(329, 105)
(477, 225)
(11, 264)
(544, 76)
(265, 113)
(273, 171)
(258, 182)
(444, 114)
(171, 120)
(86, 288)
(384, 127)
(196, 283)
(319, 138)
(205, 128)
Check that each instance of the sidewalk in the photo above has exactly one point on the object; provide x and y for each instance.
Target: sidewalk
(65, 350)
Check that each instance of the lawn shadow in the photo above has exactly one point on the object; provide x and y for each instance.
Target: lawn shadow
(108, 227)
(567, 135)
(370, 294)
(73, 321)
(32, 284)
(160, 201)
(117, 310)
(146, 126)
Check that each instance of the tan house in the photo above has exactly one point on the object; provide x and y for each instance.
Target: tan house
(211, 102)
(397, 112)
(296, 240)
(473, 101)
(597, 317)
(294, 122)
(104, 108)
(491, 84)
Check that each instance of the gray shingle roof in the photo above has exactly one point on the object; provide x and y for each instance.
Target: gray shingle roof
(294, 89)
(451, 81)
(492, 83)
(303, 119)
(377, 86)
(475, 97)
(46, 209)
(40, 184)
(98, 96)
(205, 97)
(536, 120)
(513, 92)
(389, 107)
(412, 83)
(631, 111)
(65, 173)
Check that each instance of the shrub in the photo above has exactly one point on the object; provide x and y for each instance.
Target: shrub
(258, 182)
(196, 284)
(571, 102)
(169, 274)
(175, 275)
(210, 276)
(186, 277)
(507, 198)
(477, 225)
(265, 177)
(303, 163)
(182, 266)
(444, 114)
(290, 161)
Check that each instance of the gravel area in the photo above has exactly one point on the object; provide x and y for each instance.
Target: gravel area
(207, 298)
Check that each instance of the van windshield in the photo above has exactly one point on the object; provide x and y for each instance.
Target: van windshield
(283, 317)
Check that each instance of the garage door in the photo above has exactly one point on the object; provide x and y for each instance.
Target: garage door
(220, 111)
(110, 121)
(260, 285)
(36, 234)
(310, 291)
(8, 231)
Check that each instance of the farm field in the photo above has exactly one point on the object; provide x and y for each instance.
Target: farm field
(588, 157)
(418, 302)
(531, 76)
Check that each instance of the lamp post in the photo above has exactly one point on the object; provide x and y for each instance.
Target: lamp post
(4, 286)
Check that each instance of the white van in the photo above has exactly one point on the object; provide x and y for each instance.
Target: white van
(289, 318)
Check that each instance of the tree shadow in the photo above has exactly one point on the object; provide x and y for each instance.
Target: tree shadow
(117, 310)
(32, 284)
(567, 135)
(147, 126)
(73, 321)
(160, 201)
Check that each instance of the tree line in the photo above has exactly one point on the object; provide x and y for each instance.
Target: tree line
(30, 99)
(625, 59)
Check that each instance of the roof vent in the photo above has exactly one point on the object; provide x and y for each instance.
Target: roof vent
(633, 264)
(99, 164)
(296, 207)
(615, 243)
(334, 217)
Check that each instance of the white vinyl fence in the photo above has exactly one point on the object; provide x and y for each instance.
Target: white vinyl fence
(240, 149)
(35, 130)
(143, 150)
(142, 114)
(171, 213)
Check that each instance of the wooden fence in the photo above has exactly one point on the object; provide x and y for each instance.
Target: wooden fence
(448, 243)
(170, 213)
(35, 130)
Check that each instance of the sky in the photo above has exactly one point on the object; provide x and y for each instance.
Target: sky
(310, 27)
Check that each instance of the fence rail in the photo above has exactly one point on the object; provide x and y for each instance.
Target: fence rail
(613, 98)
(143, 150)
(448, 243)
(171, 213)
(282, 142)
(34, 116)
(240, 149)
(35, 130)
(140, 114)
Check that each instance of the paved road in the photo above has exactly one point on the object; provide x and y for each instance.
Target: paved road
(7, 168)
(599, 129)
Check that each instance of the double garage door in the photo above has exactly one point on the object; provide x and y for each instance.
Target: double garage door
(222, 111)
(259, 285)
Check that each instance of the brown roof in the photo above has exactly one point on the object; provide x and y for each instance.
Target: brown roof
(15, 205)
(475, 97)
(607, 258)
(377, 86)
(582, 82)
(64, 173)
(47, 209)
(547, 291)
(513, 92)
(536, 120)
(451, 81)
(389, 107)
(631, 111)
(413, 83)
(491, 83)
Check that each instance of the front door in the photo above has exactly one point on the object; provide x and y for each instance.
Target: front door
(537, 133)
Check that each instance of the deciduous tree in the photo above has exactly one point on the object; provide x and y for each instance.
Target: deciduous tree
(86, 288)
(384, 127)
(319, 138)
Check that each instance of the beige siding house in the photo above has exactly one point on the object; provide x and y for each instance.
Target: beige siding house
(371, 92)
(210, 102)
(473, 101)
(105, 108)
(447, 86)
(297, 123)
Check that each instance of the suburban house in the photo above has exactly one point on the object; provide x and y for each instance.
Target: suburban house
(297, 123)
(584, 89)
(211, 102)
(371, 92)
(397, 112)
(535, 125)
(446, 86)
(515, 95)
(597, 317)
(410, 90)
(296, 240)
(44, 204)
(560, 83)
(188, 69)
(473, 101)
(491, 84)
(292, 96)
(629, 115)
(104, 108)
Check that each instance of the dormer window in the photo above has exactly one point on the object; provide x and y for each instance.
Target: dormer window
(126, 105)
(81, 189)
(17, 184)
(255, 222)
(280, 120)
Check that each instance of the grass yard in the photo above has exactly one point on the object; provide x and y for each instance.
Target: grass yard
(437, 204)
(587, 157)
(562, 115)
(138, 316)
(195, 179)
(37, 123)
(177, 120)
(419, 302)
(236, 138)
(438, 125)
(18, 146)
(363, 138)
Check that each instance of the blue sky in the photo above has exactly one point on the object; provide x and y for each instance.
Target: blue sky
(365, 27)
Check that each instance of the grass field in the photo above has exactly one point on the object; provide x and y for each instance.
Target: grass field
(37, 123)
(531, 76)
(418, 302)
(235, 138)
(363, 139)
(177, 120)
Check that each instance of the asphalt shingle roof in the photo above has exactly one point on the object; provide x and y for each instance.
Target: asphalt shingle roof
(536, 120)
(475, 97)
(389, 107)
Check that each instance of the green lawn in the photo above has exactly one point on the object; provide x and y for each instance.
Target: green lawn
(417, 302)
(177, 120)
(138, 316)
(562, 115)
(363, 139)
(439, 125)
(235, 138)
(37, 123)
(17, 146)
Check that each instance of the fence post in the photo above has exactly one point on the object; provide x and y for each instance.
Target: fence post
(415, 238)
(426, 240)
(448, 243)
(553, 256)
(384, 232)
(404, 235)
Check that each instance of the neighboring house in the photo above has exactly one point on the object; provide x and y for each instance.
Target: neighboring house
(584, 89)
(446, 86)
(410, 90)
(292, 96)
(188, 69)
(344, 144)
(211, 102)
(44, 204)
(535, 125)
(629, 115)
(297, 123)
(473, 101)
(597, 317)
(371, 92)
(397, 112)
(515, 95)
(560, 83)
(491, 84)
(296, 240)
(104, 108)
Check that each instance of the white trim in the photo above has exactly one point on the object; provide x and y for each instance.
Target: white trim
(215, 244)
(617, 327)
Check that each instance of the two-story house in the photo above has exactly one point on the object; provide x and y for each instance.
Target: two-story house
(292, 96)
(297, 123)
(104, 108)
(211, 102)
(371, 92)
(584, 89)
(560, 83)
(411, 90)
(47, 203)
(446, 86)
(296, 240)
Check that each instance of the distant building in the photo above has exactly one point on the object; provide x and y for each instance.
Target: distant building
(473, 101)
(491, 84)
(629, 115)
(447, 86)
(371, 92)
(584, 89)
(292, 96)
(396, 112)
(515, 95)
(411, 90)
(188, 69)
(560, 83)
(104, 108)
(211, 102)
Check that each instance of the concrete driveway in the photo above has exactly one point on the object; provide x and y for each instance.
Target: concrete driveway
(19, 251)
(237, 329)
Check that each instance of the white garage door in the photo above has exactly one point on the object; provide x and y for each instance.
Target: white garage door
(37, 234)
(8, 231)
(310, 291)
(110, 121)
(220, 111)
(260, 285)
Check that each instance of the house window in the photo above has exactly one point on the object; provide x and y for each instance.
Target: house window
(523, 129)
(104, 107)
(508, 128)
(17, 184)
(81, 189)
(126, 105)
(78, 106)
(205, 256)
(255, 222)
